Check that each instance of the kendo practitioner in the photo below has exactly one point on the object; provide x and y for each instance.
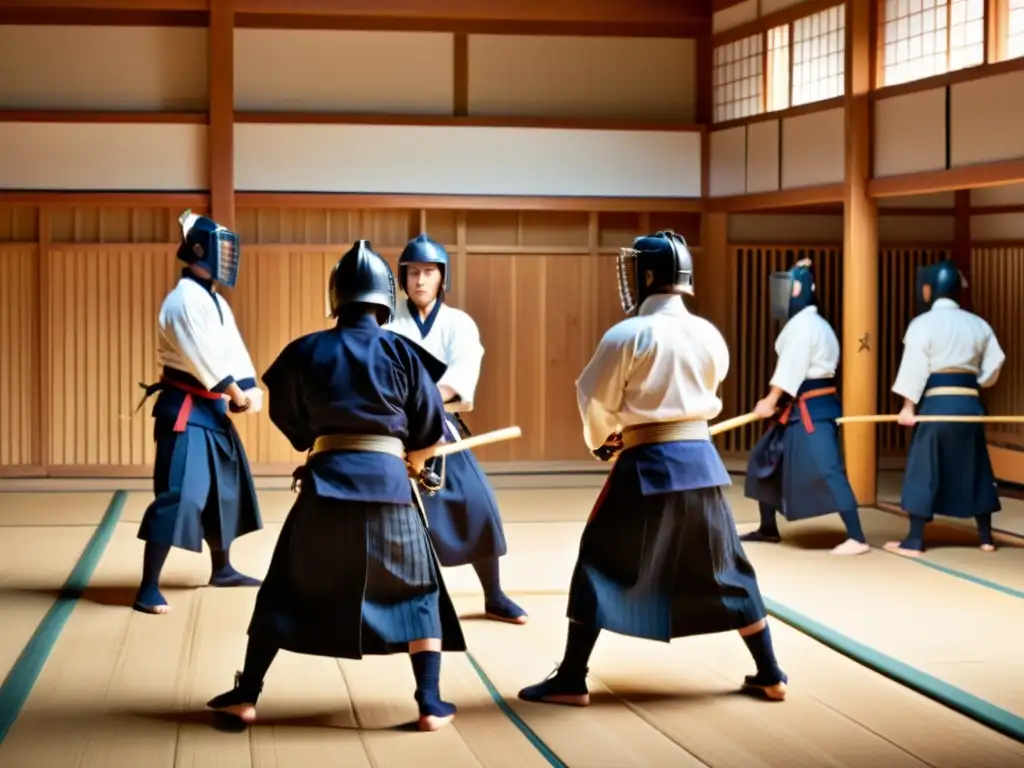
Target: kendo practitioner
(660, 557)
(796, 468)
(202, 481)
(465, 522)
(949, 354)
(353, 572)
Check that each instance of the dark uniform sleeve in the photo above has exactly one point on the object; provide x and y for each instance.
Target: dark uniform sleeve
(424, 408)
(284, 391)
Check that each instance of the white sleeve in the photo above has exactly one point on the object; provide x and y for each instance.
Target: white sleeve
(196, 331)
(794, 349)
(600, 387)
(992, 360)
(464, 353)
(912, 376)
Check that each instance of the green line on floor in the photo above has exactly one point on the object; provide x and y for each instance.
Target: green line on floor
(17, 686)
(517, 721)
(956, 699)
(959, 574)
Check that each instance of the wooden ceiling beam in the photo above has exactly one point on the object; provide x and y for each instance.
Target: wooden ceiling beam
(576, 11)
(965, 177)
(663, 18)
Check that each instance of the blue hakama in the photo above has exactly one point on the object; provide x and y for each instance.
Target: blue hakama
(948, 470)
(660, 557)
(353, 572)
(201, 479)
(797, 465)
(465, 522)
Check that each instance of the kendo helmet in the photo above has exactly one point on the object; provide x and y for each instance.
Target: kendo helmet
(361, 276)
(792, 291)
(942, 280)
(207, 244)
(658, 263)
(423, 250)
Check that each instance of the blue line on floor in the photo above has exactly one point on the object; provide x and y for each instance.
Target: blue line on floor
(955, 698)
(17, 686)
(517, 721)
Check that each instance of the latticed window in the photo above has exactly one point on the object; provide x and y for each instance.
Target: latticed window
(739, 79)
(922, 38)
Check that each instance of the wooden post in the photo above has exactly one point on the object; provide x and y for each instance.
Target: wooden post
(860, 262)
(714, 284)
(962, 241)
(220, 138)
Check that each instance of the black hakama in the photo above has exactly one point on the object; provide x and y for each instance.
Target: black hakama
(948, 470)
(660, 557)
(201, 479)
(797, 465)
(465, 521)
(350, 579)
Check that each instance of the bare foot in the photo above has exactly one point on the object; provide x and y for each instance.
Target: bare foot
(851, 547)
(775, 692)
(988, 547)
(433, 722)
(508, 619)
(244, 712)
(895, 548)
(149, 600)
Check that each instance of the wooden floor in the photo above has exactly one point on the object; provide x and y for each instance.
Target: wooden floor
(118, 688)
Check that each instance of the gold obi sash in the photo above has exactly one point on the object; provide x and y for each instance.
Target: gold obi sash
(959, 391)
(370, 443)
(664, 432)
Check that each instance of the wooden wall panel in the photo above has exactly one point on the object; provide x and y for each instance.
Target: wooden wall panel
(583, 77)
(466, 160)
(910, 133)
(980, 113)
(734, 16)
(812, 149)
(727, 174)
(149, 69)
(19, 340)
(103, 156)
(997, 275)
(325, 70)
(763, 160)
(540, 318)
(103, 303)
(19, 224)
(541, 285)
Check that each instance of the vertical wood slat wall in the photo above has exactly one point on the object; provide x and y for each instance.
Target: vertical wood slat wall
(997, 276)
(753, 349)
(541, 286)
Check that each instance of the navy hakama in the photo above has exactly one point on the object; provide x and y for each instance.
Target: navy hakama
(948, 470)
(660, 557)
(202, 480)
(353, 572)
(797, 465)
(350, 579)
(465, 521)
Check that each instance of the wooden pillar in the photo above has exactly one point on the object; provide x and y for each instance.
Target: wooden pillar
(962, 241)
(220, 138)
(714, 283)
(860, 262)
